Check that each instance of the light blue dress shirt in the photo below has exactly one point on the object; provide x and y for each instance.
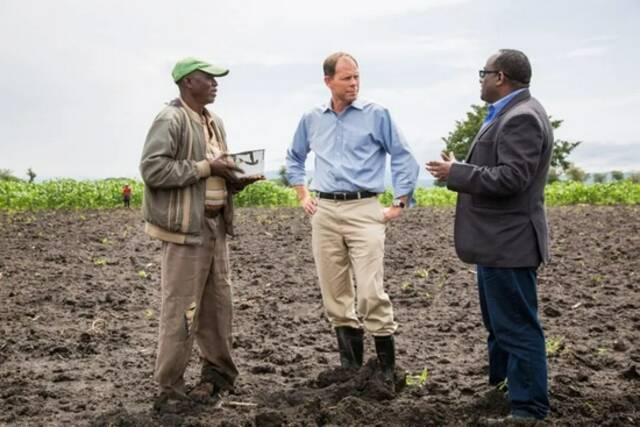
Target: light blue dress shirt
(350, 150)
(496, 107)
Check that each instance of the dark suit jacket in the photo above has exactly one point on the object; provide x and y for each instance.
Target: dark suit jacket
(500, 219)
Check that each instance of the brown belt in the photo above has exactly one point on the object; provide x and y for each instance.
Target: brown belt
(210, 213)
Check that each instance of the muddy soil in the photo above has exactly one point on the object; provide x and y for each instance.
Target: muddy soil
(79, 300)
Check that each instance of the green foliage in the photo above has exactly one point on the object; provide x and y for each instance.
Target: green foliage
(460, 139)
(610, 193)
(574, 173)
(561, 151)
(617, 175)
(417, 380)
(435, 196)
(599, 177)
(266, 193)
(635, 177)
(554, 345)
(7, 175)
(69, 194)
(66, 194)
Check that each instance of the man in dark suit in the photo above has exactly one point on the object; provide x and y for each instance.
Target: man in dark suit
(501, 226)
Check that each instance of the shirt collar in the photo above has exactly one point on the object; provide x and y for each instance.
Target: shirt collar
(499, 104)
(195, 116)
(358, 104)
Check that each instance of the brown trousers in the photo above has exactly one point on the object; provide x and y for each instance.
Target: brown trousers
(348, 240)
(196, 303)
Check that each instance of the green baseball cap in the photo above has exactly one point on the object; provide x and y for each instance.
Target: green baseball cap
(189, 65)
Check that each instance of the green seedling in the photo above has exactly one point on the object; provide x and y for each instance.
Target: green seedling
(442, 281)
(417, 380)
(601, 351)
(503, 385)
(590, 406)
(554, 345)
(406, 286)
(422, 273)
(143, 274)
(100, 261)
(105, 241)
(149, 314)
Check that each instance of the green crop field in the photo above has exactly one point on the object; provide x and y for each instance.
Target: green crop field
(71, 194)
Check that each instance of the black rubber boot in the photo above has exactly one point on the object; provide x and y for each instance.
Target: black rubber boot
(350, 346)
(357, 345)
(386, 351)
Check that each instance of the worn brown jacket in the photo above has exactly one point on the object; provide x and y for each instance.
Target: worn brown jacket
(500, 218)
(174, 169)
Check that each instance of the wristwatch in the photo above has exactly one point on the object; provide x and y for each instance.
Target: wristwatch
(398, 203)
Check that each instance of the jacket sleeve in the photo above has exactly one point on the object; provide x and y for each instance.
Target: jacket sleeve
(159, 167)
(519, 146)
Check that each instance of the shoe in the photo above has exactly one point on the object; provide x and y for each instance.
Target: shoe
(204, 392)
(172, 402)
(209, 374)
(511, 420)
(350, 346)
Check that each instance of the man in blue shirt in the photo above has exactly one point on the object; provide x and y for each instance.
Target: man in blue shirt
(351, 139)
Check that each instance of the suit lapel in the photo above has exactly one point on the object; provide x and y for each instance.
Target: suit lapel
(478, 135)
(518, 98)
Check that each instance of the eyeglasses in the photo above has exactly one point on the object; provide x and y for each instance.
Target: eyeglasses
(483, 73)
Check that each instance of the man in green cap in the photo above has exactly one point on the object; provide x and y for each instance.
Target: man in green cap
(189, 181)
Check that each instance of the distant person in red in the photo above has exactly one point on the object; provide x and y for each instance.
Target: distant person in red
(126, 195)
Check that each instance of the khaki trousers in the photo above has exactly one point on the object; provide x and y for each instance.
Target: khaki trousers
(196, 304)
(348, 240)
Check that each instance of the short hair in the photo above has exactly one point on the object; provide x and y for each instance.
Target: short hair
(329, 64)
(515, 65)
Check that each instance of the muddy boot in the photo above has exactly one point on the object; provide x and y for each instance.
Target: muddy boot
(349, 337)
(386, 351)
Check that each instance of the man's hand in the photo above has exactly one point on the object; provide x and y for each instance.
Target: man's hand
(224, 167)
(307, 201)
(309, 204)
(392, 213)
(440, 169)
(244, 181)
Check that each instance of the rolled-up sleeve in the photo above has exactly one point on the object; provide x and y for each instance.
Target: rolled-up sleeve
(297, 155)
(404, 167)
